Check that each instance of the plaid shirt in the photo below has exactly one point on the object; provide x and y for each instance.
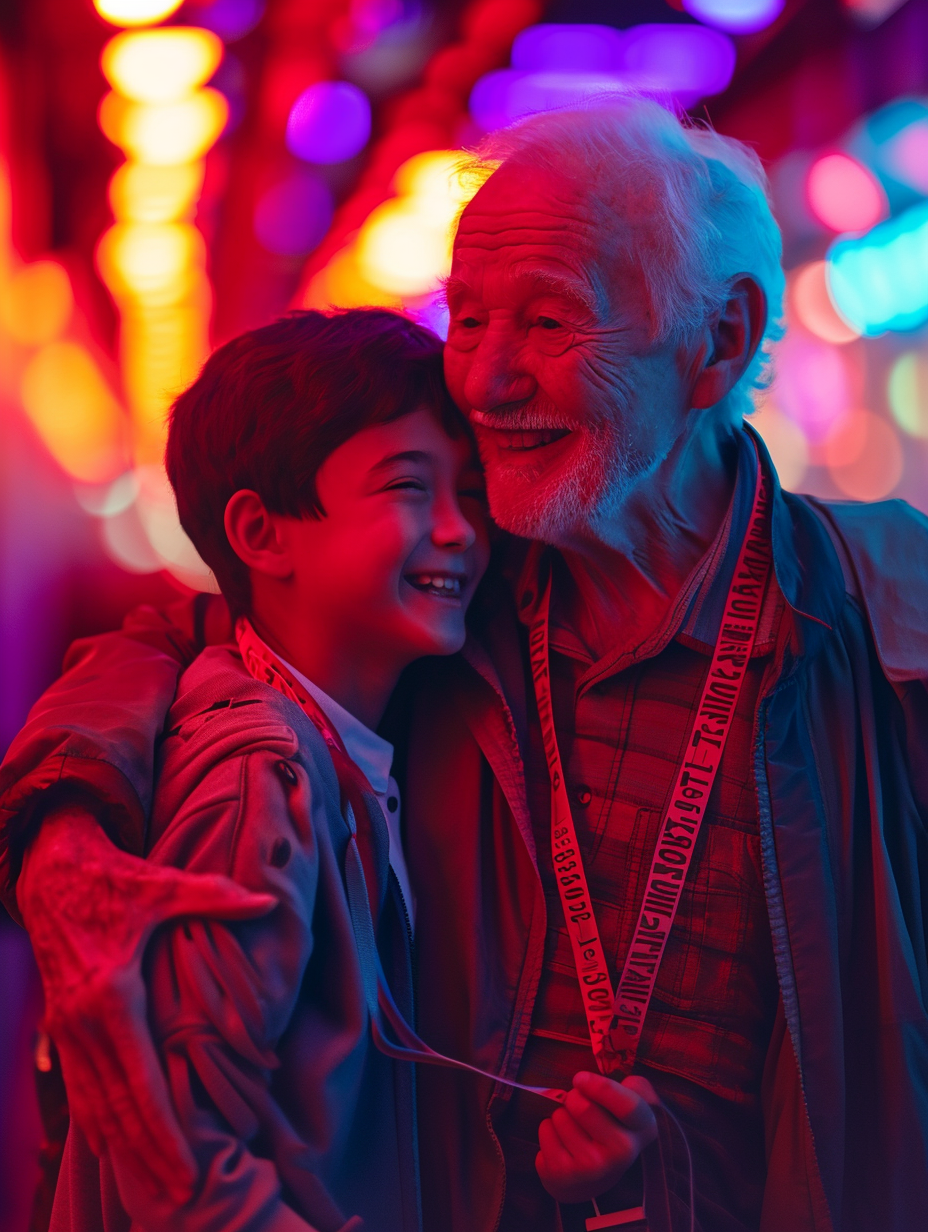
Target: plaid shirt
(622, 723)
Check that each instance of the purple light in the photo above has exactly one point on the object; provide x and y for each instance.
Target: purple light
(564, 48)
(292, 217)
(688, 62)
(736, 16)
(231, 19)
(329, 122)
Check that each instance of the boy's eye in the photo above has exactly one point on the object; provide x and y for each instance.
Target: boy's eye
(415, 485)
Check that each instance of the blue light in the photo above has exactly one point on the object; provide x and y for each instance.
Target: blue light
(329, 122)
(879, 281)
(292, 217)
(735, 16)
(551, 47)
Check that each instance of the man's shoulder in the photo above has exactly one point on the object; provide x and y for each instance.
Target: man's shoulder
(883, 548)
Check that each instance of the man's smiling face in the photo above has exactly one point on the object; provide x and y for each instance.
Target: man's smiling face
(550, 351)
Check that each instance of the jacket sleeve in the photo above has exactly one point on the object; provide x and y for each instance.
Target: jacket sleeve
(222, 996)
(91, 735)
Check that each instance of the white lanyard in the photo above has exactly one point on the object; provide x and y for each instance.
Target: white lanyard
(615, 1020)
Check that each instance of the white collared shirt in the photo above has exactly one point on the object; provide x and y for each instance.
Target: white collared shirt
(374, 758)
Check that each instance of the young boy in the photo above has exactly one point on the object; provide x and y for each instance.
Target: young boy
(323, 473)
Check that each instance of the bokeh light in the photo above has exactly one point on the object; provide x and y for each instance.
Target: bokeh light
(293, 216)
(150, 260)
(553, 47)
(165, 134)
(907, 393)
(688, 62)
(681, 62)
(808, 292)
(844, 195)
(863, 455)
(404, 246)
(231, 19)
(812, 385)
(736, 16)
(36, 303)
(329, 122)
(907, 156)
(786, 441)
(160, 66)
(879, 282)
(70, 404)
(136, 12)
(139, 193)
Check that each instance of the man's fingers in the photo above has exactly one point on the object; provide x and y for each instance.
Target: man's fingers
(208, 894)
(553, 1155)
(635, 1082)
(626, 1104)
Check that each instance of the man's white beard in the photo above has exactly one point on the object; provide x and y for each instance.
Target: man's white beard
(589, 489)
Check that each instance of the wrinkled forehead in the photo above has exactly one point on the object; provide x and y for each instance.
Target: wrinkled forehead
(533, 212)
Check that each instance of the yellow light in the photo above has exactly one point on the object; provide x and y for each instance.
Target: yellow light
(74, 411)
(157, 510)
(438, 176)
(135, 12)
(151, 261)
(164, 134)
(864, 456)
(155, 194)
(908, 393)
(37, 303)
(813, 306)
(402, 250)
(341, 285)
(161, 66)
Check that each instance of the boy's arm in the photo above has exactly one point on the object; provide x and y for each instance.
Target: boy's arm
(221, 996)
(85, 760)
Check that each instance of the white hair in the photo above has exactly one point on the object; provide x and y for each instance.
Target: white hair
(707, 194)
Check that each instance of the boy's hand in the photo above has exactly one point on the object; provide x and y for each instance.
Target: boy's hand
(592, 1140)
(90, 910)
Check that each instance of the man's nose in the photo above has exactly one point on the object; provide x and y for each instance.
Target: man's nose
(495, 374)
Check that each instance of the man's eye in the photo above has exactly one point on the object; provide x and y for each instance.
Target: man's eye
(548, 323)
(468, 322)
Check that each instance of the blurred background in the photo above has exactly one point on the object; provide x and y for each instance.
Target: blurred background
(174, 173)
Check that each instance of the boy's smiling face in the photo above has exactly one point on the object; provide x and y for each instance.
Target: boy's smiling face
(388, 571)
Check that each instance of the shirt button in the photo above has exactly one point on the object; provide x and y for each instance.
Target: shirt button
(392, 803)
(584, 795)
(287, 772)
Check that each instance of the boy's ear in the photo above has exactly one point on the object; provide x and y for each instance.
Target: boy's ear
(254, 535)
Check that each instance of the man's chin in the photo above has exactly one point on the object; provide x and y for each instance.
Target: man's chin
(531, 510)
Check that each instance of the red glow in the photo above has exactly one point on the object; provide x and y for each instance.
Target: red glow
(843, 195)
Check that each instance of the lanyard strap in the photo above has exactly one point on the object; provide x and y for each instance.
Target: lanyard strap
(359, 877)
(615, 1020)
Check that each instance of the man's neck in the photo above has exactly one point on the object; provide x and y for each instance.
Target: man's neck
(626, 572)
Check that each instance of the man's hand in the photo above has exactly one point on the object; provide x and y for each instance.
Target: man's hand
(90, 910)
(592, 1140)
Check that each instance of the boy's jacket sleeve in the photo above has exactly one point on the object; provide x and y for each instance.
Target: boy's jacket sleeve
(91, 736)
(221, 997)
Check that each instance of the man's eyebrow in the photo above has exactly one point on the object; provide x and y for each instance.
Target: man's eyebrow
(452, 285)
(570, 288)
(405, 455)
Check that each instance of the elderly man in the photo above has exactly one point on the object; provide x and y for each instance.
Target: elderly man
(667, 811)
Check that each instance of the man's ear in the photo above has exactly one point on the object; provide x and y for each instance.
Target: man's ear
(255, 536)
(733, 339)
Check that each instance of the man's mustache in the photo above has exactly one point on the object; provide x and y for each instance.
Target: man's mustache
(521, 418)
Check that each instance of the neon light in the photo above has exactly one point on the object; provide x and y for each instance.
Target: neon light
(135, 12)
(813, 307)
(37, 303)
(329, 122)
(843, 195)
(736, 16)
(907, 156)
(864, 456)
(160, 66)
(879, 281)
